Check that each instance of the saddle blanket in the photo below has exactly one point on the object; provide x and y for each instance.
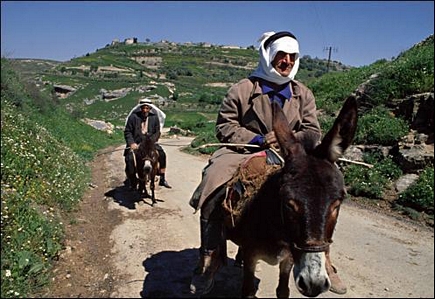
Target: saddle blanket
(246, 182)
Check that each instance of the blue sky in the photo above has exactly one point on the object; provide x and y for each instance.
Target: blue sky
(359, 32)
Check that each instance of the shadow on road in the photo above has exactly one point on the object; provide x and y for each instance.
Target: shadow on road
(170, 272)
(128, 198)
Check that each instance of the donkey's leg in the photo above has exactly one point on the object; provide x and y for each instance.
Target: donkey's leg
(285, 266)
(249, 264)
(142, 187)
(152, 187)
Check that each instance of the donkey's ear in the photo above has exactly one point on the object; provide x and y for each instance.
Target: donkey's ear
(286, 139)
(340, 136)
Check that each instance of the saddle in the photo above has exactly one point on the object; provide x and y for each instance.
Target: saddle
(247, 181)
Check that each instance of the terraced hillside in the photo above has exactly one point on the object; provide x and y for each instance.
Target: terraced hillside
(106, 83)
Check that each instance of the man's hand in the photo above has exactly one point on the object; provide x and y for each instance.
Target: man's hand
(134, 146)
(270, 140)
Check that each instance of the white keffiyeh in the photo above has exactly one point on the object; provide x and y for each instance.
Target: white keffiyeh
(160, 114)
(265, 70)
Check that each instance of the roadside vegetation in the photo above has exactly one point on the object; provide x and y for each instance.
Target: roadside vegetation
(44, 173)
(412, 72)
(46, 147)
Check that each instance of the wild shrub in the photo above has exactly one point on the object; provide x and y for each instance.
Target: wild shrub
(202, 139)
(379, 126)
(11, 88)
(420, 195)
(326, 122)
(371, 182)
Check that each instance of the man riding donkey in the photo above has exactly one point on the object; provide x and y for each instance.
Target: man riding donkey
(245, 117)
(144, 118)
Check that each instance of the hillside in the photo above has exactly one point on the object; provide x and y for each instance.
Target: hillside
(172, 74)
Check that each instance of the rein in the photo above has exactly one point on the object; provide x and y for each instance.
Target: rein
(135, 163)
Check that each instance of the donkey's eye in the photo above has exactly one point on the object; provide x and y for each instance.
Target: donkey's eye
(292, 205)
(335, 207)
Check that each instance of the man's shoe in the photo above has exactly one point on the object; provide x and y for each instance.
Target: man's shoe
(337, 286)
(165, 184)
(203, 275)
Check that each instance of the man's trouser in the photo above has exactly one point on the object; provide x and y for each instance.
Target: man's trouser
(130, 169)
(213, 244)
(162, 156)
(211, 224)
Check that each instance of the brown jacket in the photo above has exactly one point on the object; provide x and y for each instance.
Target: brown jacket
(246, 112)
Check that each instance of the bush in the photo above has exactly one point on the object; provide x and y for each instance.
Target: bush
(420, 195)
(11, 88)
(380, 127)
(201, 139)
(371, 182)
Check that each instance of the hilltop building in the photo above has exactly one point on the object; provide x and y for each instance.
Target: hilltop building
(130, 40)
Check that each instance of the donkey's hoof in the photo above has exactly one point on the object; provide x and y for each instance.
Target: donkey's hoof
(144, 194)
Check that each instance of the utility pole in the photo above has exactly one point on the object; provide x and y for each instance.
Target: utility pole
(329, 49)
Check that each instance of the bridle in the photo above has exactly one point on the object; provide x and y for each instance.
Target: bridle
(310, 248)
(147, 158)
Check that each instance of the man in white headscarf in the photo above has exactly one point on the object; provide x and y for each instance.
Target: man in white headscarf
(245, 118)
(144, 118)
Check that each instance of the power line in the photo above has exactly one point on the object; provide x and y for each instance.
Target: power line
(319, 22)
(329, 49)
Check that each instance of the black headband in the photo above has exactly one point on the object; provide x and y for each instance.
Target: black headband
(276, 36)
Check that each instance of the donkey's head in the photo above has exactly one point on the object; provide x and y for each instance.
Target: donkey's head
(311, 192)
(147, 155)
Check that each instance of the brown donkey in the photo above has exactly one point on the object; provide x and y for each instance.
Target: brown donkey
(291, 219)
(147, 166)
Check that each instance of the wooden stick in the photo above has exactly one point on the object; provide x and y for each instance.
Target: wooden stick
(255, 145)
(356, 162)
(227, 144)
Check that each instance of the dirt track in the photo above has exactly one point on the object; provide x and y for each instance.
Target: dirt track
(123, 248)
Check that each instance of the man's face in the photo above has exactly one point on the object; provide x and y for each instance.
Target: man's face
(145, 109)
(283, 63)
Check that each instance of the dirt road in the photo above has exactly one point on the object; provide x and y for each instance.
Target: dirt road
(120, 248)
